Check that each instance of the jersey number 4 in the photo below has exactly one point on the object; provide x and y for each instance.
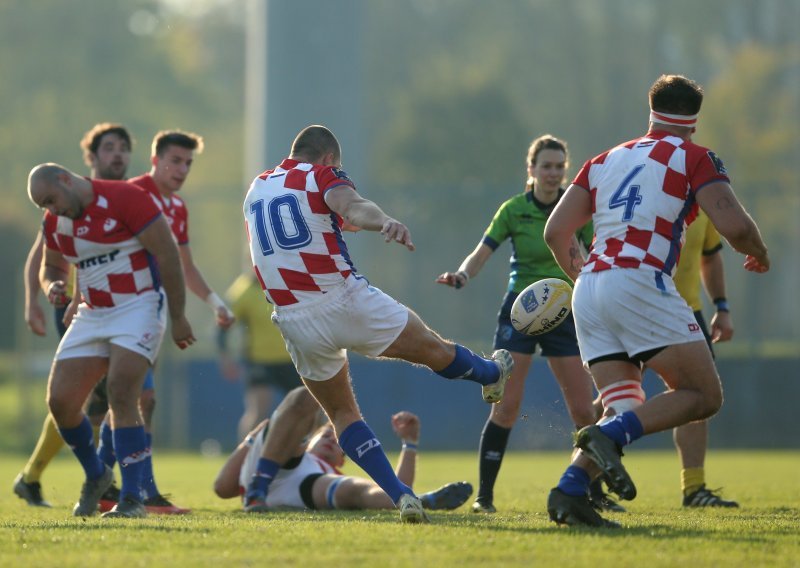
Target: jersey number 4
(283, 216)
(627, 195)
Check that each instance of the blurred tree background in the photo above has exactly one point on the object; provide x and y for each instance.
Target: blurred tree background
(454, 92)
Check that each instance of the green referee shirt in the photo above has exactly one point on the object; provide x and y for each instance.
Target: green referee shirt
(522, 219)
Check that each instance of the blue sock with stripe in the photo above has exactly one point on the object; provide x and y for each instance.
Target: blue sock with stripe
(149, 488)
(130, 445)
(266, 470)
(360, 444)
(575, 481)
(81, 440)
(623, 428)
(467, 365)
(105, 451)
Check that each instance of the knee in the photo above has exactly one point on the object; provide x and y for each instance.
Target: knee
(147, 402)
(58, 405)
(301, 401)
(711, 402)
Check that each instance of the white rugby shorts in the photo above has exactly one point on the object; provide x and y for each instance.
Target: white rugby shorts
(284, 491)
(355, 316)
(623, 310)
(138, 325)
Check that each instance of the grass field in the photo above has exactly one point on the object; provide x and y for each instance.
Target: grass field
(657, 531)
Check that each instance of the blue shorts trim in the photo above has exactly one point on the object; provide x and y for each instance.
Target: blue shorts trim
(560, 342)
(149, 380)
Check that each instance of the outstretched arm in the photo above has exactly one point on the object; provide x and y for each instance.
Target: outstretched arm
(365, 214)
(197, 284)
(469, 268)
(406, 426)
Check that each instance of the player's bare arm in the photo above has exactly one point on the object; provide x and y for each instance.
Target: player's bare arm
(52, 277)
(735, 224)
(712, 274)
(197, 284)
(469, 268)
(157, 239)
(34, 315)
(573, 211)
(406, 425)
(363, 213)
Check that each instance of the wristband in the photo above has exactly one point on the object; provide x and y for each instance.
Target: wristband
(721, 304)
(464, 274)
(410, 446)
(215, 301)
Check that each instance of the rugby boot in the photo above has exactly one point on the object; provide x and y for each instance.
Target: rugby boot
(90, 494)
(450, 496)
(575, 510)
(30, 492)
(600, 500)
(604, 452)
(411, 510)
(494, 392)
(706, 498)
(126, 508)
(483, 506)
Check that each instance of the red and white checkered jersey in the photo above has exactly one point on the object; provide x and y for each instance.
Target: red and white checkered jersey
(295, 239)
(174, 208)
(112, 265)
(643, 195)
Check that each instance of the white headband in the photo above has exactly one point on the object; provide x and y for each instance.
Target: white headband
(687, 120)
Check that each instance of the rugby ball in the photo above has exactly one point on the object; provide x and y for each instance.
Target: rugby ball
(542, 306)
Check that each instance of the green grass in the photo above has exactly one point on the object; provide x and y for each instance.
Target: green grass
(657, 531)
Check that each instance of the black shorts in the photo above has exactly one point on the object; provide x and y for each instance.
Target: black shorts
(279, 375)
(560, 342)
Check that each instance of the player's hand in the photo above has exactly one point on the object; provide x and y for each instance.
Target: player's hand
(69, 313)
(224, 317)
(455, 279)
(394, 230)
(721, 327)
(34, 317)
(406, 426)
(57, 294)
(182, 333)
(759, 264)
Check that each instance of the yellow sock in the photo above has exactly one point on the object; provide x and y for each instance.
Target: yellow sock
(49, 444)
(692, 478)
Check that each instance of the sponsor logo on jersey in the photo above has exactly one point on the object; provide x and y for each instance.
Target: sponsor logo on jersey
(82, 231)
(694, 328)
(99, 259)
(718, 165)
(109, 225)
(341, 174)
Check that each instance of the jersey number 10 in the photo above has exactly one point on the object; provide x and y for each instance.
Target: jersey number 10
(283, 216)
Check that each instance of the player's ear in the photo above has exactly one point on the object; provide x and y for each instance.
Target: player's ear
(154, 160)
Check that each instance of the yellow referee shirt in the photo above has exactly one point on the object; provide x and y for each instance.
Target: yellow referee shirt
(701, 239)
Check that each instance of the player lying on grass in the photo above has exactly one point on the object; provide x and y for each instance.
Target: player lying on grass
(311, 479)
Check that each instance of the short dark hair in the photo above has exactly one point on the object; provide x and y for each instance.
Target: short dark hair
(314, 142)
(91, 140)
(165, 138)
(545, 142)
(675, 94)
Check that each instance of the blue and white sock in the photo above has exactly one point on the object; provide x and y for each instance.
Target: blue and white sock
(471, 367)
(623, 428)
(575, 481)
(130, 445)
(266, 470)
(149, 488)
(360, 444)
(81, 440)
(105, 451)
